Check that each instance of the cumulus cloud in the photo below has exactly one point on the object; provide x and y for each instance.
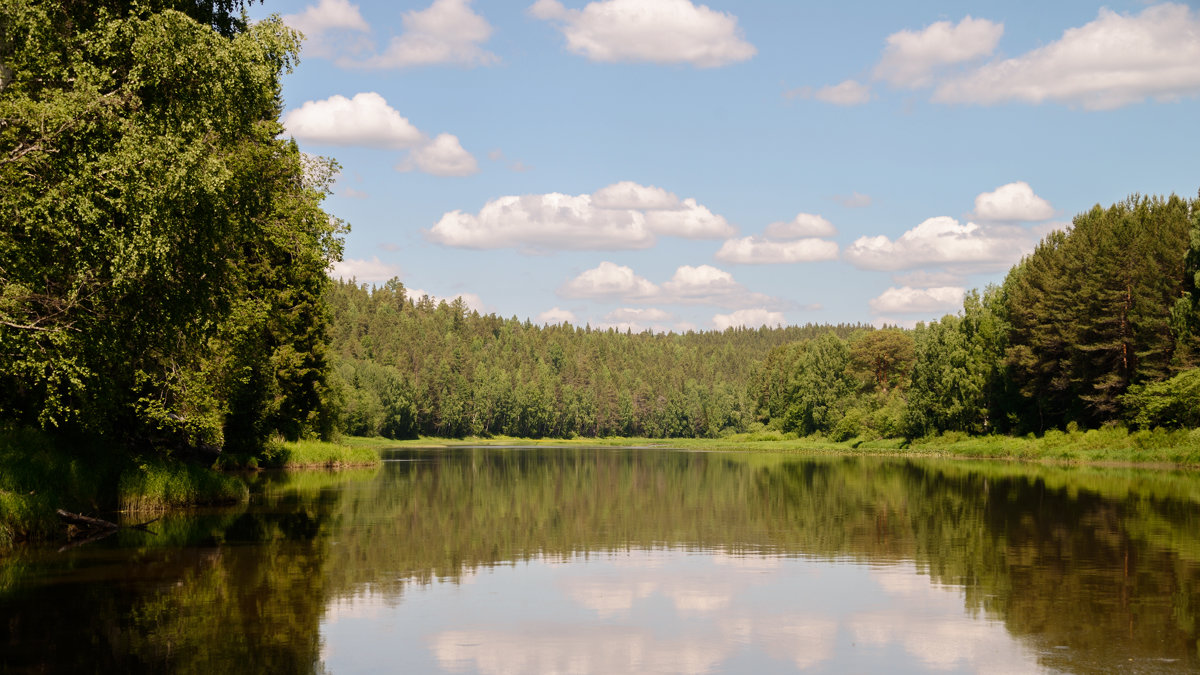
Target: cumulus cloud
(941, 241)
(640, 320)
(925, 279)
(803, 225)
(365, 120)
(1014, 201)
(368, 121)
(447, 32)
(690, 221)
(543, 222)
(708, 285)
(850, 92)
(912, 58)
(1113, 61)
(655, 31)
(555, 316)
(749, 318)
(760, 251)
(908, 300)
(700, 285)
(352, 193)
(443, 156)
(609, 280)
(629, 195)
(321, 21)
(648, 314)
(621, 216)
(364, 271)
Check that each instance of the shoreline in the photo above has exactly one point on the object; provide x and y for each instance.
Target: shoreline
(40, 477)
(1105, 447)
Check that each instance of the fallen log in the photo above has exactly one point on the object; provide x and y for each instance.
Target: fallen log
(86, 521)
(100, 523)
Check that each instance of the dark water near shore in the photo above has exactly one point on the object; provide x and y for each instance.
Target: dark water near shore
(609, 560)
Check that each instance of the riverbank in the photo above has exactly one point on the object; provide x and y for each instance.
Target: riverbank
(40, 474)
(1179, 448)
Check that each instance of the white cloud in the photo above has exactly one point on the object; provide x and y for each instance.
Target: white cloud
(555, 316)
(641, 315)
(924, 279)
(445, 32)
(603, 221)
(640, 320)
(563, 648)
(1113, 61)
(749, 318)
(760, 251)
(912, 58)
(854, 200)
(365, 120)
(629, 195)
(690, 221)
(803, 225)
(907, 300)
(850, 92)
(352, 193)
(443, 156)
(1014, 201)
(941, 241)
(318, 21)
(657, 31)
(543, 222)
(701, 285)
(364, 271)
(702, 280)
(609, 280)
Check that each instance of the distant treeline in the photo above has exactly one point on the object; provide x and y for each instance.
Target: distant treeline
(1098, 325)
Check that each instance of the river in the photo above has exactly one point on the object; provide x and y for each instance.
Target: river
(606, 560)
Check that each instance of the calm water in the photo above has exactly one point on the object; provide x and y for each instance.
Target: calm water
(610, 561)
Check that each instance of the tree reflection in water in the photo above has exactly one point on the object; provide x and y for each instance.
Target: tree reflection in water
(1088, 568)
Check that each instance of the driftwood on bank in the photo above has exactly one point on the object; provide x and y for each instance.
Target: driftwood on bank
(99, 523)
(97, 528)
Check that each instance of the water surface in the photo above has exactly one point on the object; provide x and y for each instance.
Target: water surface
(618, 560)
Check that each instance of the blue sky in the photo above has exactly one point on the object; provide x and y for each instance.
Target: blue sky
(670, 165)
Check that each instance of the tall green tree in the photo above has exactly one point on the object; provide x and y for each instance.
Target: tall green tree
(1091, 310)
(145, 197)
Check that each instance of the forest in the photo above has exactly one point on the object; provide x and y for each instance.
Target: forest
(1098, 326)
(164, 286)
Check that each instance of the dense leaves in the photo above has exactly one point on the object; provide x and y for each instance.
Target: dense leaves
(163, 254)
(407, 367)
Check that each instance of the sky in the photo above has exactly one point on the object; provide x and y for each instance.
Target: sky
(668, 165)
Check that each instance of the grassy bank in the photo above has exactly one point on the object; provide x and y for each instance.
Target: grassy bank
(319, 454)
(1097, 446)
(39, 474)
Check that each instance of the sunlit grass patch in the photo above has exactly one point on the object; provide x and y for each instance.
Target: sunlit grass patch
(156, 484)
(305, 453)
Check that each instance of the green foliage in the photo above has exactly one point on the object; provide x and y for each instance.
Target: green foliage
(885, 356)
(1170, 403)
(1091, 310)
(162, 263)
(311, 453)
(405, 366)
(155, 484)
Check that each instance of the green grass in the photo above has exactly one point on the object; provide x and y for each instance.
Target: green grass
(1114, 445)
(156, 485)
(39, 474)
(323, 454)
